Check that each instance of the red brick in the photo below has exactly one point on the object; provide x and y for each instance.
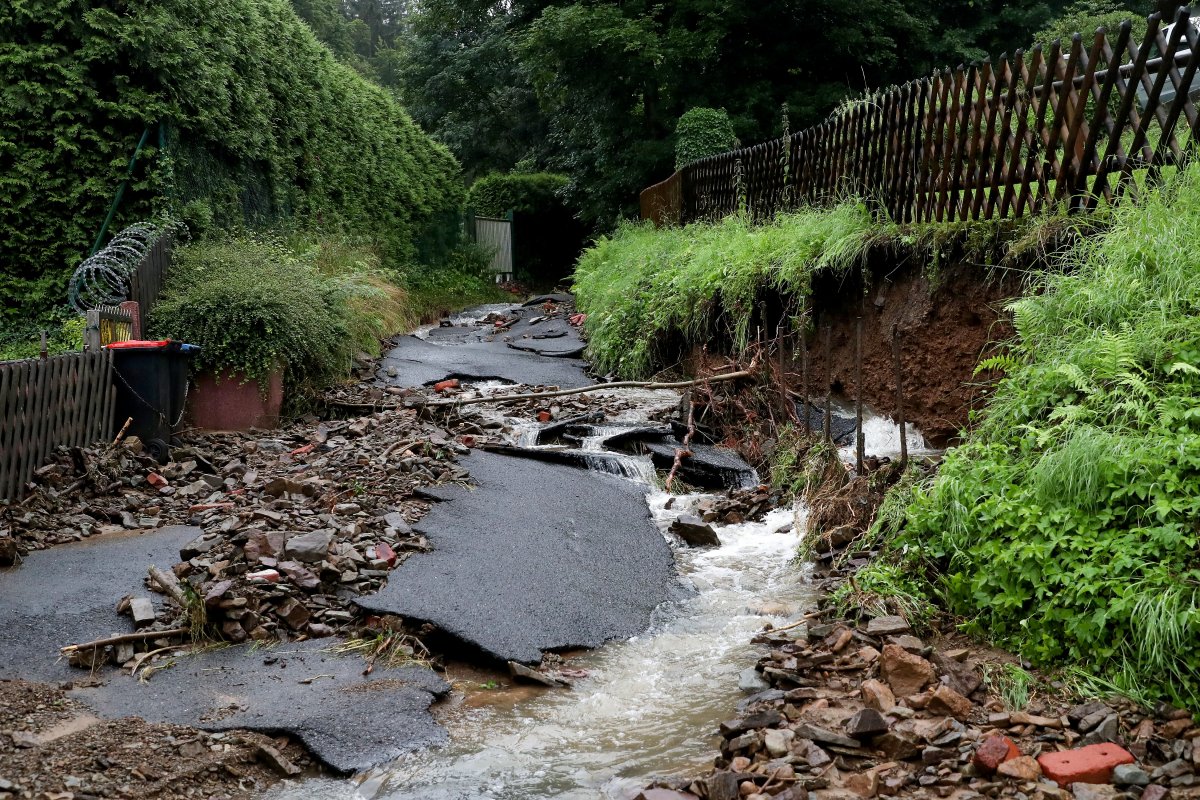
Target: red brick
(385, 553)
(445, 386)
(994, 751)
(1091, 764)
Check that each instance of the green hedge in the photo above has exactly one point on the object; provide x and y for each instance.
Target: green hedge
(703, 132)
(533, 192)
(261, 125)
(547, 236)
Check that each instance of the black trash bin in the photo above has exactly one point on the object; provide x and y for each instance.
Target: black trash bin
(151, 379)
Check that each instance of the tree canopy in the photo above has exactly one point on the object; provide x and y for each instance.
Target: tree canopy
(594, 88)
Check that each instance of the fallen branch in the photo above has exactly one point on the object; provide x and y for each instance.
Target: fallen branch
(685, 450)
(797, 623)
(139, 636)
(121, 433)
(597, 387)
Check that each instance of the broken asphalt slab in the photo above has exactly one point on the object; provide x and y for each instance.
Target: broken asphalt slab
(416, 362)
(708, 466)
(536, 557)
(68, 594)
(348, 721)
(533, 349)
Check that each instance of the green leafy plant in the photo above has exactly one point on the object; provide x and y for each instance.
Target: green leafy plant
(1011, 682)
(1065, 525)
(253, 305)
(703, 132)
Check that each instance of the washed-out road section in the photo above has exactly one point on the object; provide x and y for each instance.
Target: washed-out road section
(68, 594)
(535, 557)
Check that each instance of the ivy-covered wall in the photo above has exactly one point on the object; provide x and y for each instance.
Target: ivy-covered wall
(261, 126)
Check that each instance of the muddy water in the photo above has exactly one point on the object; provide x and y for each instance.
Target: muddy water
(648, 707)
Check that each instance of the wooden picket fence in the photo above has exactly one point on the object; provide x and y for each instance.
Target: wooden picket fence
(1068, 128)
(45, 403)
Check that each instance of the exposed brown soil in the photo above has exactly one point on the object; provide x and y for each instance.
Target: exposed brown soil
(52, 747)
(944, 330)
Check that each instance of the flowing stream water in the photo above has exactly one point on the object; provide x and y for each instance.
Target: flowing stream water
(649, 706)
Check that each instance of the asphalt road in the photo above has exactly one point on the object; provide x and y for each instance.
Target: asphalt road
(68, 594)
(542, 353)
(536, 557)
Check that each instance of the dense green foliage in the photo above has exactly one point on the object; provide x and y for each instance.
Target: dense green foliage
(64, 334)
(703, 132)
(262, 126)
(458, 70)
(527, 193)
(255, 304)
(699, 282)
(1085, 16)
(1065, 526)
(593, 88)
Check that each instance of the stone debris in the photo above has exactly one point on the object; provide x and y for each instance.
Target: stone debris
(694, 531)
(293, 524)
(881, 718)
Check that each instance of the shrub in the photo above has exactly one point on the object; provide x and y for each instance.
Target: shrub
(641, 284)
(251, 122)
(64, 334)
(256, 304)
(462, 279)
(703, 132)
(529, 193)
(1065, 526)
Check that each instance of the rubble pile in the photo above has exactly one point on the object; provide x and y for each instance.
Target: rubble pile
(52, 747)
(294, 524)
(81, 492)
(844, 711)
(284, 551)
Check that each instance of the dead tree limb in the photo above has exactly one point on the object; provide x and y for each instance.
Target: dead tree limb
(139, 636)
(598, 387)
(686, 449)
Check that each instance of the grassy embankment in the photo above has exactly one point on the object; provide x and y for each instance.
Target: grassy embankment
(1065, 526)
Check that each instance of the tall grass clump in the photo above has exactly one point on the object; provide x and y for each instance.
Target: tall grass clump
(641, 284)
(1068, 523)
(254, 304)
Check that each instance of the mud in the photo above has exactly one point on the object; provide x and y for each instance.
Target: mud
(944, 327)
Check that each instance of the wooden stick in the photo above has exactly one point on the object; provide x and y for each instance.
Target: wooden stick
(598, 387)
(139, 636)
(685, 450)
(858, 392)
(121, 433)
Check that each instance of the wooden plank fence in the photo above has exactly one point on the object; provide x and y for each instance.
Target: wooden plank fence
(1069, 127)
(46, 403)
(147, 279)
